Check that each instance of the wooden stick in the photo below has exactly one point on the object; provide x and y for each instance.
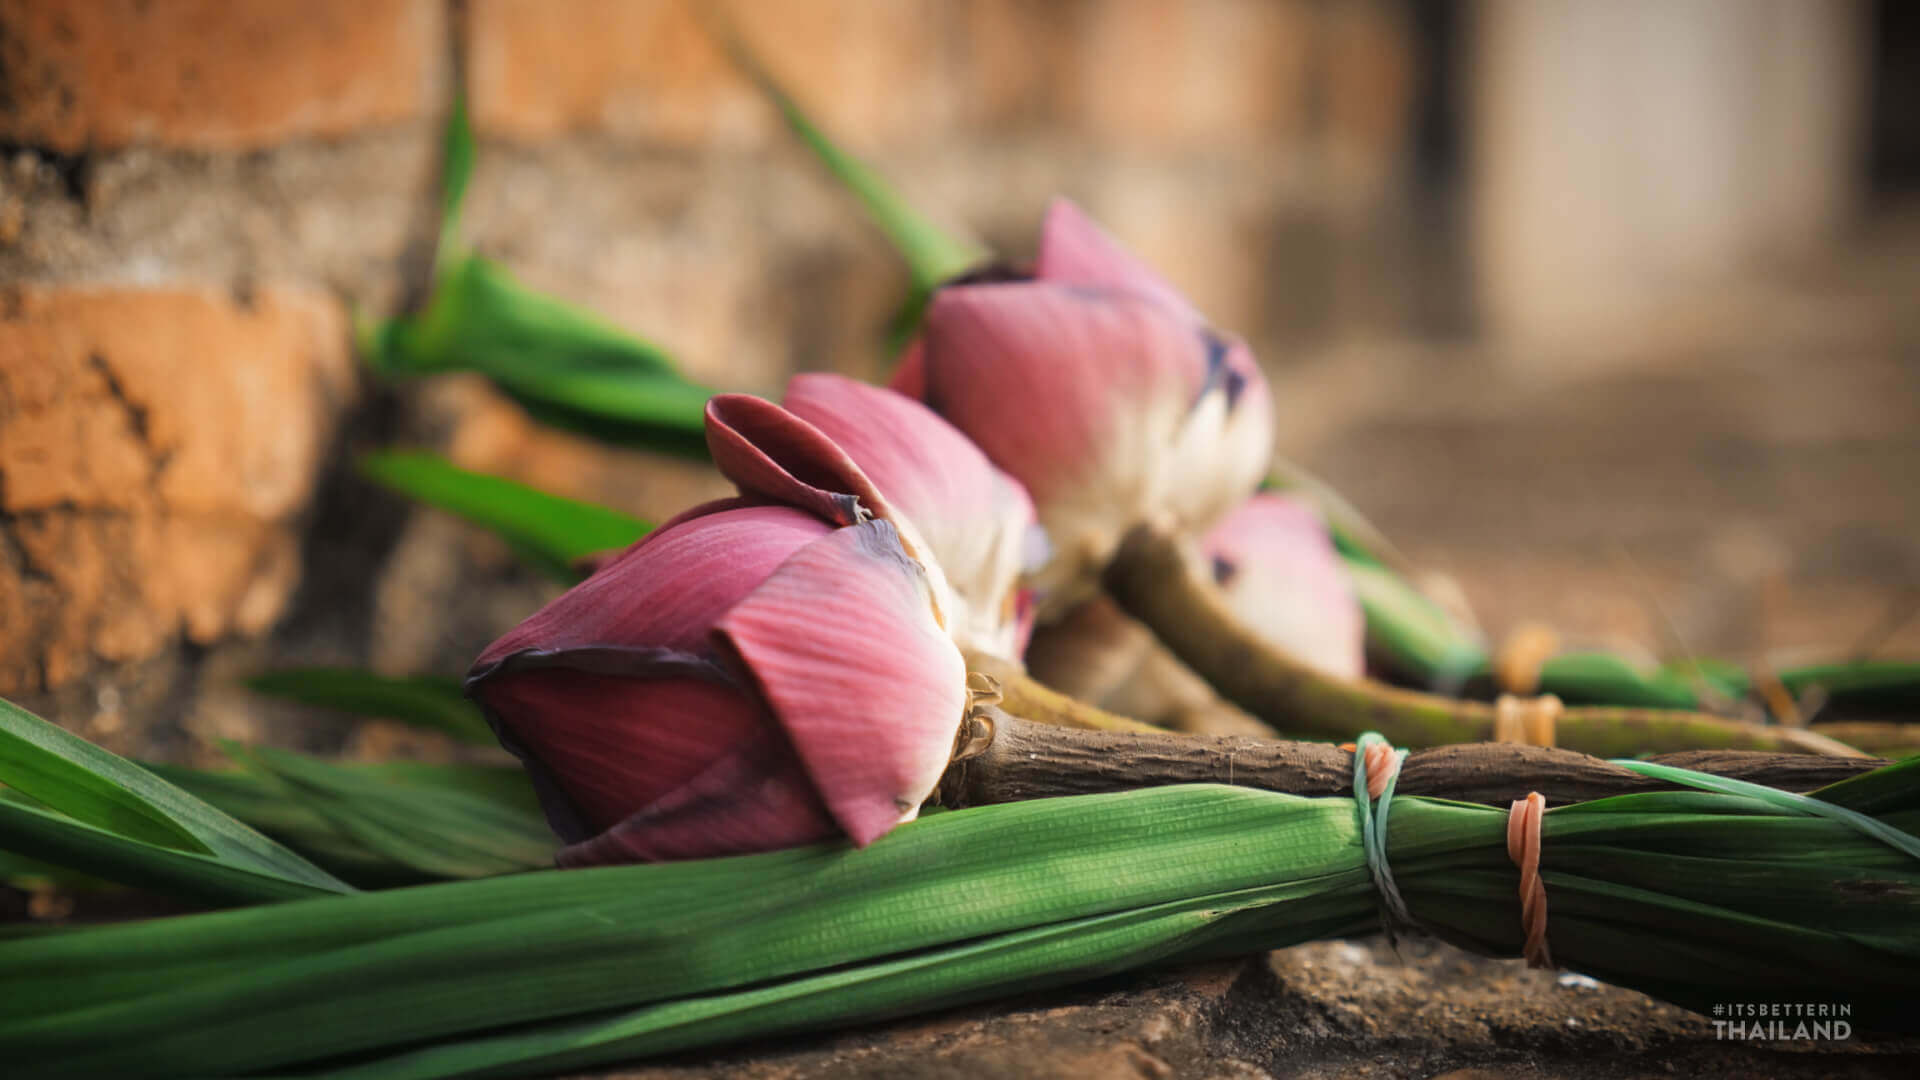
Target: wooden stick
(1003, 758)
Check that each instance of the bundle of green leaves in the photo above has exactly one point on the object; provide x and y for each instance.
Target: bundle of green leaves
(1686, 895)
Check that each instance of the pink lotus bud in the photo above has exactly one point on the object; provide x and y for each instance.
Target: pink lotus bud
(1102, 391)
(1275, 563)
(977, 521)
(757, 673)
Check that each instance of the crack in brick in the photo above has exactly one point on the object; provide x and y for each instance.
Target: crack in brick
(137, 415)
(30, 568)
(136, 412)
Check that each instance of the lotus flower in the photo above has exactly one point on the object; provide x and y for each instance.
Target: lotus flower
(976, 520)
(1277, 567)
(1101, 390)
(760, 672)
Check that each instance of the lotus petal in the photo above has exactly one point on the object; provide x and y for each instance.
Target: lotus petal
(1281, 575)
(761, 448)
(613, 690)
(618, 744)
(665, 592)
(759, 799)
(1079, 393)
(1226, 445)
(770, 453)
(1076, 251)
(977, 520)
(910, 372)
(843, 643)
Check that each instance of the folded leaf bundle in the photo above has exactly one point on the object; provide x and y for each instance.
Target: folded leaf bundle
(1690, 896)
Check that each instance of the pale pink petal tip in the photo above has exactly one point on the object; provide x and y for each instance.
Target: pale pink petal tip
(843, 643)
(1076, 251)
(1280, 573)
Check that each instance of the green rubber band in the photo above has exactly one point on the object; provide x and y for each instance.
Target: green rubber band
(1373, 825)
(1780, 800)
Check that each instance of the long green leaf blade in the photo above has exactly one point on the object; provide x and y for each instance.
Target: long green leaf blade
(132, 825)
(84, 782)
(427, 701)
(434, 830)
(566, 365)
(932, 254)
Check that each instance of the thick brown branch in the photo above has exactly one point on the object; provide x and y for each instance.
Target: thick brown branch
(1024, 760)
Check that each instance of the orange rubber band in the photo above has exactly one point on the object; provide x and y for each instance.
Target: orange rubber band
(1382, 765)
(1523, 847)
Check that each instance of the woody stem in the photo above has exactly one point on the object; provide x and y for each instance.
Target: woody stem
(1152, 578)
(1005, 758)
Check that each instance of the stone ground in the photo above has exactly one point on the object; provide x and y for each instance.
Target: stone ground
(1323, 1010)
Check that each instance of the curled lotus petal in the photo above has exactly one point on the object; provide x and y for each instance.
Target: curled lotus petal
(843, 642)
(1076, 251)
(977, 520)
(757, 445)
(770, 453)
(1107, 405)
(1279, 571)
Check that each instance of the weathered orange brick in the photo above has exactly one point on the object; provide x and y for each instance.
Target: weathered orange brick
(1160, 74)
(651, 69)
(155, 449)
(76, 74)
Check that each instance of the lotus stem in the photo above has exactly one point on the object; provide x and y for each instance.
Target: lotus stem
(1025, 696)
(1006, 758)
(1152, 579)
(1890, 740)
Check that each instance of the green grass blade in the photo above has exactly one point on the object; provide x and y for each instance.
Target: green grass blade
(932, 254)
(438, 831)
(555, 533)
(111, 818)
(62, 841)
(427, 701)
(1597, 678)
(564, 364)
(430, 805)
(1888, 684)
(1353, 535)
(90, 785)
(1784, 800)
(1410, 633)
(457, 156)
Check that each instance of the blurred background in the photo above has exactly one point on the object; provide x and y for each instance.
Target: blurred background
(1604, 310)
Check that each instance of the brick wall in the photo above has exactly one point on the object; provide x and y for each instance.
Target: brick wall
(195, 194)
